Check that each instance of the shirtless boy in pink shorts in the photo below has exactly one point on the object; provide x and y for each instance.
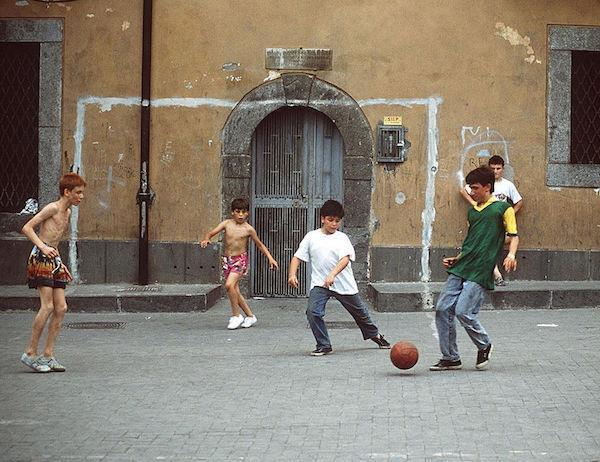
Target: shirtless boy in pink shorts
(235, 259)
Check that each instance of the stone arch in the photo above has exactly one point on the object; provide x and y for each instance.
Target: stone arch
(299, 89)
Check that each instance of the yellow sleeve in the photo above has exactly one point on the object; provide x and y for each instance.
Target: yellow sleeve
(510, 222)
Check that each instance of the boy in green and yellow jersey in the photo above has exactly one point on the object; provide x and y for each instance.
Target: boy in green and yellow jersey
(471, 271)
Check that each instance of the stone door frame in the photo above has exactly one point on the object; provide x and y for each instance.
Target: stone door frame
(299, 89)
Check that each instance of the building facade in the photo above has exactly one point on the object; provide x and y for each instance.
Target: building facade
(383, 105)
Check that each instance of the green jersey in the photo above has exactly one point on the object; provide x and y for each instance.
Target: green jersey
(488, 224)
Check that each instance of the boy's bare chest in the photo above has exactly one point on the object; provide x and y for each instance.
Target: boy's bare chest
(57, 224)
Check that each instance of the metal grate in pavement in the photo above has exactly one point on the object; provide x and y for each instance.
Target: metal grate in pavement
(95, 325)
(141, 289)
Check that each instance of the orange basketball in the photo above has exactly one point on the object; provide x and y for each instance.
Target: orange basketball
(404, 355)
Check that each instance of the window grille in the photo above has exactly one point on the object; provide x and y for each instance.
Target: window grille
(585, 107)
(19, 106)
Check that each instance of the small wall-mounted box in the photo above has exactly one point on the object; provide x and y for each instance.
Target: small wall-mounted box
(392, 145)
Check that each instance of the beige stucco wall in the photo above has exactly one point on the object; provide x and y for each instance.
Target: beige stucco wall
(461, 52)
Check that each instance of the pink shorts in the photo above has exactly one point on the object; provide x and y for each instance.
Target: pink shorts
(237, 264)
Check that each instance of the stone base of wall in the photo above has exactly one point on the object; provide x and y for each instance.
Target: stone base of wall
(107, 262)
(403, 264)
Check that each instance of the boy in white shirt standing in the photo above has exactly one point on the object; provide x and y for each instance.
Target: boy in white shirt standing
(504, 190)
(329, 251)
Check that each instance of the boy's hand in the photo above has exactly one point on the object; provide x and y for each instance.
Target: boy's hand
(328, 281)
(204, 243)
(49, 251)
(449, 262)
(293, 281)
(510, 263)
(273, 264)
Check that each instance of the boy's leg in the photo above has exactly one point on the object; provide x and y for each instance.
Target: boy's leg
(359, 311)
(56, 319)
(46, 309)
(315, 312)
(468, 305)
(444, 317)
(233, 292)
(242, 303)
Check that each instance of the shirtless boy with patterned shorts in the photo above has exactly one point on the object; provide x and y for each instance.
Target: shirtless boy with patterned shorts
(47, 273)
(235, 259)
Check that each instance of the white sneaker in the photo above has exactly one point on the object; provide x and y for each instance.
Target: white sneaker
(235, 321)
(249, 321)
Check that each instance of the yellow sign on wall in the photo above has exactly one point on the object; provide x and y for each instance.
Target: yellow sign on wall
(392, 120)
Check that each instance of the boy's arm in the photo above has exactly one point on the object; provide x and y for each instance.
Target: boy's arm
(510, 262)
(292, 270)
(29, 230)
(220, 227)
(336, 270)
(263, 248)
(510, 226)
(466, 196)
(518, 206)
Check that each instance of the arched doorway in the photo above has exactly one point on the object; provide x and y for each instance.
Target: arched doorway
(299, 90)
(297, 156)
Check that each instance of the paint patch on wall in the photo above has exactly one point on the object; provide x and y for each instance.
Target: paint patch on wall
(516, 39)
(125, 25)
(90, 15)
(400, 198)
(188, 84)
(231, 67)
(22, 3)
(272, 76)
(109, 10)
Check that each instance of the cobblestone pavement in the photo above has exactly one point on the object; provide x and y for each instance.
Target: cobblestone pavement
(183, 387)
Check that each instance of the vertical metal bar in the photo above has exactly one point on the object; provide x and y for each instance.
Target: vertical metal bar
(145, 194)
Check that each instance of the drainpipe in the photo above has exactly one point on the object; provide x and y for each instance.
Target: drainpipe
(145, 195)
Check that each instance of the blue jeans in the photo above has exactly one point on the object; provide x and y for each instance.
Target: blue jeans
(463, 299)
(315, 313)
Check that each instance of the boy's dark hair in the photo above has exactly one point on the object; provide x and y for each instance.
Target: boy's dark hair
(70, 181)
(482, 175)
(496, 160)
(332, 208)
(240, 203)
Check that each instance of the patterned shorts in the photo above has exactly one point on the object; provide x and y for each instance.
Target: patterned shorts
(48, 272)
(237, 264)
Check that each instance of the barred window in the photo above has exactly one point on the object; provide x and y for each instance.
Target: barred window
(573, 106)
(585, 107)
(19, 109)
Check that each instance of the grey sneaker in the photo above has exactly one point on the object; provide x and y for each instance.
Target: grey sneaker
(52, 363)
(35, 363)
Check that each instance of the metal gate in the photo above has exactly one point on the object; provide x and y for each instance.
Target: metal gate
(296, 166)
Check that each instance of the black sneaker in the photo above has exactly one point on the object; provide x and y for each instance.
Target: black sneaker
(446, 365)
(483, 357)
(321, 351)
(381, 342)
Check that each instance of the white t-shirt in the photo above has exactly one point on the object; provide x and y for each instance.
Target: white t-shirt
(503, 190)
(323, 252)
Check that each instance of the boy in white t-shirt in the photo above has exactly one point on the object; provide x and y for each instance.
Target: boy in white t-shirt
(505, 191)
(329, 252)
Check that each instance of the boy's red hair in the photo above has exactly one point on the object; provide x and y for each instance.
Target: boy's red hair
(70, 181)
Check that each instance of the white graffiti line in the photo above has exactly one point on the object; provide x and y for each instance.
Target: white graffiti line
(493, 138)
(428, 214)
(106, 104)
